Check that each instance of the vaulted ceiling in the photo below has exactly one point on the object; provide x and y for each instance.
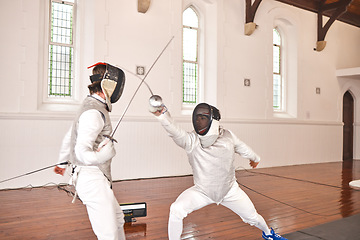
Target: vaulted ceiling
(350, 16)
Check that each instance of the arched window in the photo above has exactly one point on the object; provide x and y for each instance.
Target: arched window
(278, 88)
(190, 56)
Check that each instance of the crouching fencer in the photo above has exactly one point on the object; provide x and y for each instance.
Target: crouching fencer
(90, 153)
(211, 152)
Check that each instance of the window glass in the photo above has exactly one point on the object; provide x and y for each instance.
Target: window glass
(277, 79)
(190, 56)
(190, 18)
(61, 49)
(190, 44)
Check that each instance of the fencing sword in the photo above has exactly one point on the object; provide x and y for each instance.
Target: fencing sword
(155, 101)
(117, 125)
(41, 169)
(137, 89)
(135, 75)
(113, 132)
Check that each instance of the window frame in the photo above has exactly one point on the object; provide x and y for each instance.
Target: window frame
(287, 25)
(70, 95)
(280, 74)
(196, 85)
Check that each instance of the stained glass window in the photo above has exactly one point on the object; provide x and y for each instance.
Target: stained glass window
(61, 49)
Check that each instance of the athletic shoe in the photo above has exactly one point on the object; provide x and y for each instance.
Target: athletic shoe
(273, 236)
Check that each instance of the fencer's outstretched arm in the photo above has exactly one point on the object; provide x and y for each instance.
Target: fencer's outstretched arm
(182, 138)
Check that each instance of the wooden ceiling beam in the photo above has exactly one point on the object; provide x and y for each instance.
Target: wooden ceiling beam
(350, 17)
(331, 6)
(251, 10)
(339, 8)
(250, 13)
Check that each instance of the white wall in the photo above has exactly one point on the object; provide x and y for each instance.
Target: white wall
(113, 31)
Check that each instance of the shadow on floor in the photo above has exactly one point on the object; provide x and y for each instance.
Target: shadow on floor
(344, 229)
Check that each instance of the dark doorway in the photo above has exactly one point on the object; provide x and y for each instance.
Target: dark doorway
(348, 129)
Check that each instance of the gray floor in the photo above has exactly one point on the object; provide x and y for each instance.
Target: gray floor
(343, 229)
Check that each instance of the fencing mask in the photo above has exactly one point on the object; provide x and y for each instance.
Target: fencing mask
(206, 123)
(203, 117)
(112, 83)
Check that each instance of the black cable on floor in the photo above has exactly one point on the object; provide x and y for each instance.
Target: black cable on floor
(284, 203)
(300, 180)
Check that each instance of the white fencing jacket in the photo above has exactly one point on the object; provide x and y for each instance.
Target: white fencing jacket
(213, 166)
(90, 129)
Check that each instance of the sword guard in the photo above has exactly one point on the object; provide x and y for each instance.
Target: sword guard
(111, 138)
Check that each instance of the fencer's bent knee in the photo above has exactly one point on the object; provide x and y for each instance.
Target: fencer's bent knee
(178, 211)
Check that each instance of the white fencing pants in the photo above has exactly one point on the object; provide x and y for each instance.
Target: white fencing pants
(105, 214)
(193, 199)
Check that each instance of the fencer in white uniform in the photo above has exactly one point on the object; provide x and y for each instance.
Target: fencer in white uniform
(211, 150)
(90, 154)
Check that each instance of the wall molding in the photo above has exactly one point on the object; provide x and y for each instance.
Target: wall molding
(185, 119)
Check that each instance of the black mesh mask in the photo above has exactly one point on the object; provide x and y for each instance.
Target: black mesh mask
(112, 73)
(203, 116)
